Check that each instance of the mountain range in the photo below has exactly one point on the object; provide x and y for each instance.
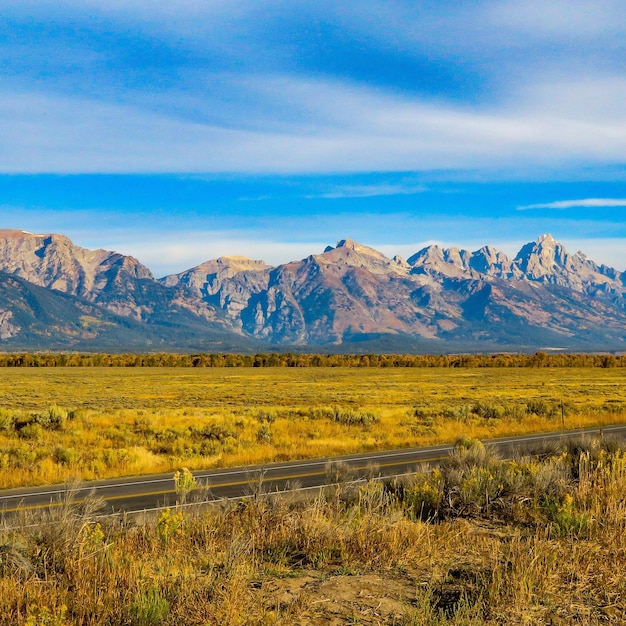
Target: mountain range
(55, 295)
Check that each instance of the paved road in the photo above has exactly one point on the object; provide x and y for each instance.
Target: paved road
(151, 492)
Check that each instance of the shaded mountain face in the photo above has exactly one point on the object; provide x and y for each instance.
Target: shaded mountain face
(36, 318)
(53, 261)
(117, 282)
(348, 297)
(30, 315)
(113, 284)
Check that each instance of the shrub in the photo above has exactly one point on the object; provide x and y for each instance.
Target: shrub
(7, 419)
(216, 431)
(169, 524)
(540, 408)
(264, 434)
(564, 517)
(185, 483)
(31, 431)
(486, 411)
(149, 608)
(57, 416)
(64, 456)
(423, 498)
(349, 417)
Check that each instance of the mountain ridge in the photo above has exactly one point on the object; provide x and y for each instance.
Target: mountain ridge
(349, 295)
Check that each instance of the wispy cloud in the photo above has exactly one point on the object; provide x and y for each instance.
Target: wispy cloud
(573, 204)
(350, 129)
(294, 87)
(370, 191)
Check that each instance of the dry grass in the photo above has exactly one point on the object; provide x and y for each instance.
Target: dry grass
(545, 546)
(58, 423)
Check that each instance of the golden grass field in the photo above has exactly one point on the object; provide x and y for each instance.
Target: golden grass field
(478, 541)
(87, 423)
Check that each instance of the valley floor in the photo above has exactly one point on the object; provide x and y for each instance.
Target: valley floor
(65, 423)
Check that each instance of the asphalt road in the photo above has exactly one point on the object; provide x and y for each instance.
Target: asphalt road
(146, 493)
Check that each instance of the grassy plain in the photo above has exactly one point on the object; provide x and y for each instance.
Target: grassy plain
(87, 423)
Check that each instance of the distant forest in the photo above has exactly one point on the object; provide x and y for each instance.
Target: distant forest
(538, 359)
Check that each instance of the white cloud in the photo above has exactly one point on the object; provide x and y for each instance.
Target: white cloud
(571, 204)
(324, 126)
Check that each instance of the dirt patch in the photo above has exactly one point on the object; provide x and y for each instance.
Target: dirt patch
(371, 599)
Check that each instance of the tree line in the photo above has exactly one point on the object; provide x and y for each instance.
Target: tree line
(274, 359)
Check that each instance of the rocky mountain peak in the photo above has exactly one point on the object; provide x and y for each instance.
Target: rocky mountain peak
(222, 268)
(542, 257)
(400, 262)
(546, 239)
(434, 260)
(547, 260)
(350, 244)
(350, 253)
(491, 262)
(431, 253)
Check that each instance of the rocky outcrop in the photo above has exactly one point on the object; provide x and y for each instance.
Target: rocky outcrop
(547, 261)
(54, 262)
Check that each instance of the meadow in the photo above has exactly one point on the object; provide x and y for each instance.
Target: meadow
(61, 423)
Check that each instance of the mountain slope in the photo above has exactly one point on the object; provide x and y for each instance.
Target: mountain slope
(543, 297)
(36, 318)
(117, 282)
(349, 297)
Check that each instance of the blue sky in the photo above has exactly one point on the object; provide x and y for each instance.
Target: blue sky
(180, 131)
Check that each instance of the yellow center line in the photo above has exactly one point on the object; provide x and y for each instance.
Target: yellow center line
(235, 483)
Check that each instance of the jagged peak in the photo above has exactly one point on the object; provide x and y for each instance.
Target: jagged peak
(547, 239)
(351, 245)
(488, 250)
(346, 243)
(430, 251)
(544, 244)
(436, 254)
(491, 255)
(352, 253)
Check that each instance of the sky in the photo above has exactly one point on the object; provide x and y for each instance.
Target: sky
(181, 131)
